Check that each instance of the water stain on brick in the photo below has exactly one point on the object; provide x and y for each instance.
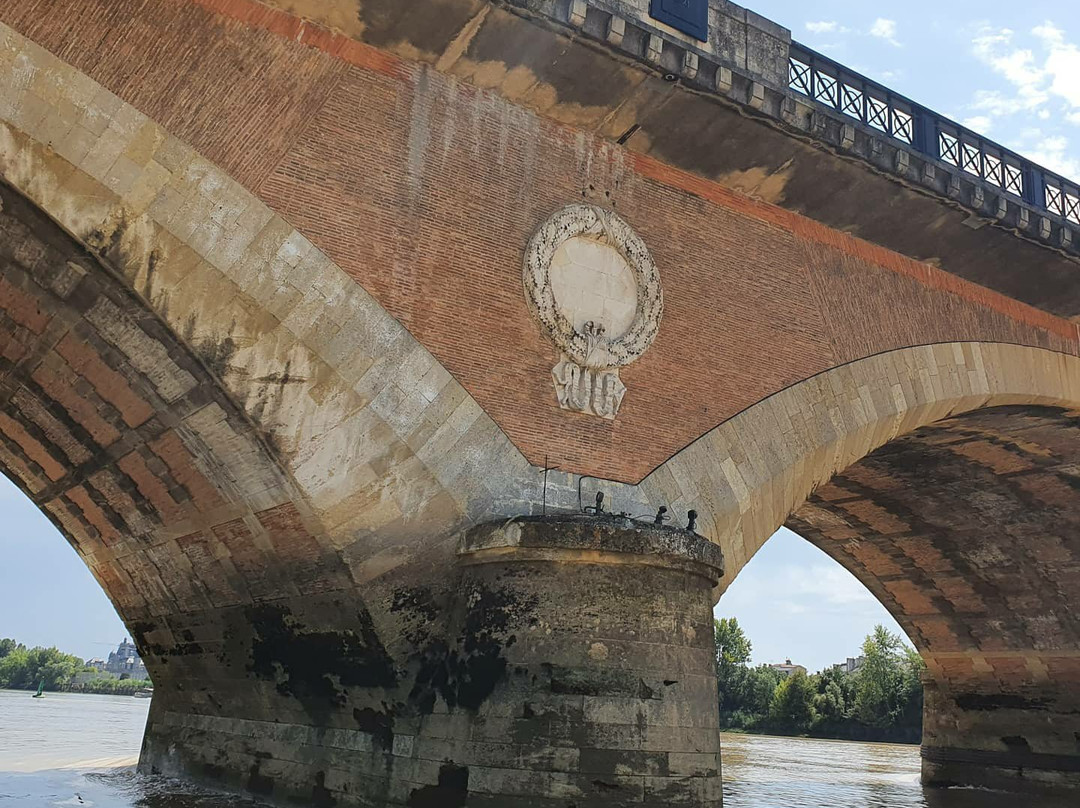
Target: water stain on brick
(1001, 701)
(379, 725)
(451, 792)
(466, 674)
(321, 796)
(259, 783)
(315, 666)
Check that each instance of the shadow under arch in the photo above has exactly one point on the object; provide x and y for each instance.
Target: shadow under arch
(945, 479)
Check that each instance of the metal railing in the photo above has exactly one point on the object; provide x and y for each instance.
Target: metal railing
(833, 85)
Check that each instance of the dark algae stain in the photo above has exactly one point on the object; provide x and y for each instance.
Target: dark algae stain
(259, 783)
(310, 664)
(466, 674)
(321, 797)
(380, 725)
(451, 791)
(1000, 701)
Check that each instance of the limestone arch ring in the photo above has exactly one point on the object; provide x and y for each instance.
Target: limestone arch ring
(583, 345)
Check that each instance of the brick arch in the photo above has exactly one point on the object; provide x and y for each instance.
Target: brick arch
(748, 475)
(968, 531)
(362, 417)
(258, 463)
(118, 432)
(945, 479)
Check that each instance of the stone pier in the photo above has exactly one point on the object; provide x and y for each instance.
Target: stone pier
(1021, 739)
(570, 661)
(606, 694)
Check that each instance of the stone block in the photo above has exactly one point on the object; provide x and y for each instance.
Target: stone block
(654, 48)
(578, 10)
(616, 30)
(756, 95)
(690, 65)
(847, 136)
(724, 79)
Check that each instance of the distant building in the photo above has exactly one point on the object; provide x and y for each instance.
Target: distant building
(788, 668)
(85, 677)
(852, 664)
(123, 663)
(97, 663)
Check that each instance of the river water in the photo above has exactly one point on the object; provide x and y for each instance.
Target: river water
(79, 751)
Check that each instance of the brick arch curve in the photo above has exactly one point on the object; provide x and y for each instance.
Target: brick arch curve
(257, 462)
(945, 478)
(361, 415)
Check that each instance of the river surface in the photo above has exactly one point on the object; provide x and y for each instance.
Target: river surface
(80, 750)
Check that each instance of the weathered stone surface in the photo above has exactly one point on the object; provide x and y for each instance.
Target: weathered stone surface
(590, 640)
(266, 446)
(967, 532)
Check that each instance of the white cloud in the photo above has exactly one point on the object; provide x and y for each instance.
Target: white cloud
(885, 29)
(1053, 153)
(1037, 78)
(1062, 64)
(825, 27)
(994, 47)
(979, 123)
(997, 104)
(829, 584)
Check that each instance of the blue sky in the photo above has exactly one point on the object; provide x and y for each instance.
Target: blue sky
(1011, 71)
(47, 594)
(1008, 70)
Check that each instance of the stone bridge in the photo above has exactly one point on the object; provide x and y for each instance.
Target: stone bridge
(321, 321)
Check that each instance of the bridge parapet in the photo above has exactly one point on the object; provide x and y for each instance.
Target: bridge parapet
(752, 61)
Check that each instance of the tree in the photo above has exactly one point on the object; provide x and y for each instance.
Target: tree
(8, 645)
(792, 703)
(732, 654)
(24, 668)
(833, 695)
(879, 683)
(911, 689)
(761, 683)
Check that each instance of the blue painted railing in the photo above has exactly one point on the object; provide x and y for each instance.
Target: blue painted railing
(923, 130)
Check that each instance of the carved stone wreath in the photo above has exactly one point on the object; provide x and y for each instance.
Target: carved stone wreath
(587, 378)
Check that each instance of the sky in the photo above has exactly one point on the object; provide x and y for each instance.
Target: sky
(1007, 70)
(1010, 71)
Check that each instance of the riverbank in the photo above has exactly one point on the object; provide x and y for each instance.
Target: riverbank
(99, 687)
(900, 735)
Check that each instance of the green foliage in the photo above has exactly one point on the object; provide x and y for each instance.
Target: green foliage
(882, 700)
(835, 693)
(116, 687)
(732, 654)
(761, 685)
(887, 685)
(24, 669)
(792, 703)
(8, 645)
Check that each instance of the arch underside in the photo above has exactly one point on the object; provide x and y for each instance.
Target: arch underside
(968, 532)
(265, 471)
(123, 437)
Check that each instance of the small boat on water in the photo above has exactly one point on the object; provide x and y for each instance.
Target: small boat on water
(40, 690)
(144, 693)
